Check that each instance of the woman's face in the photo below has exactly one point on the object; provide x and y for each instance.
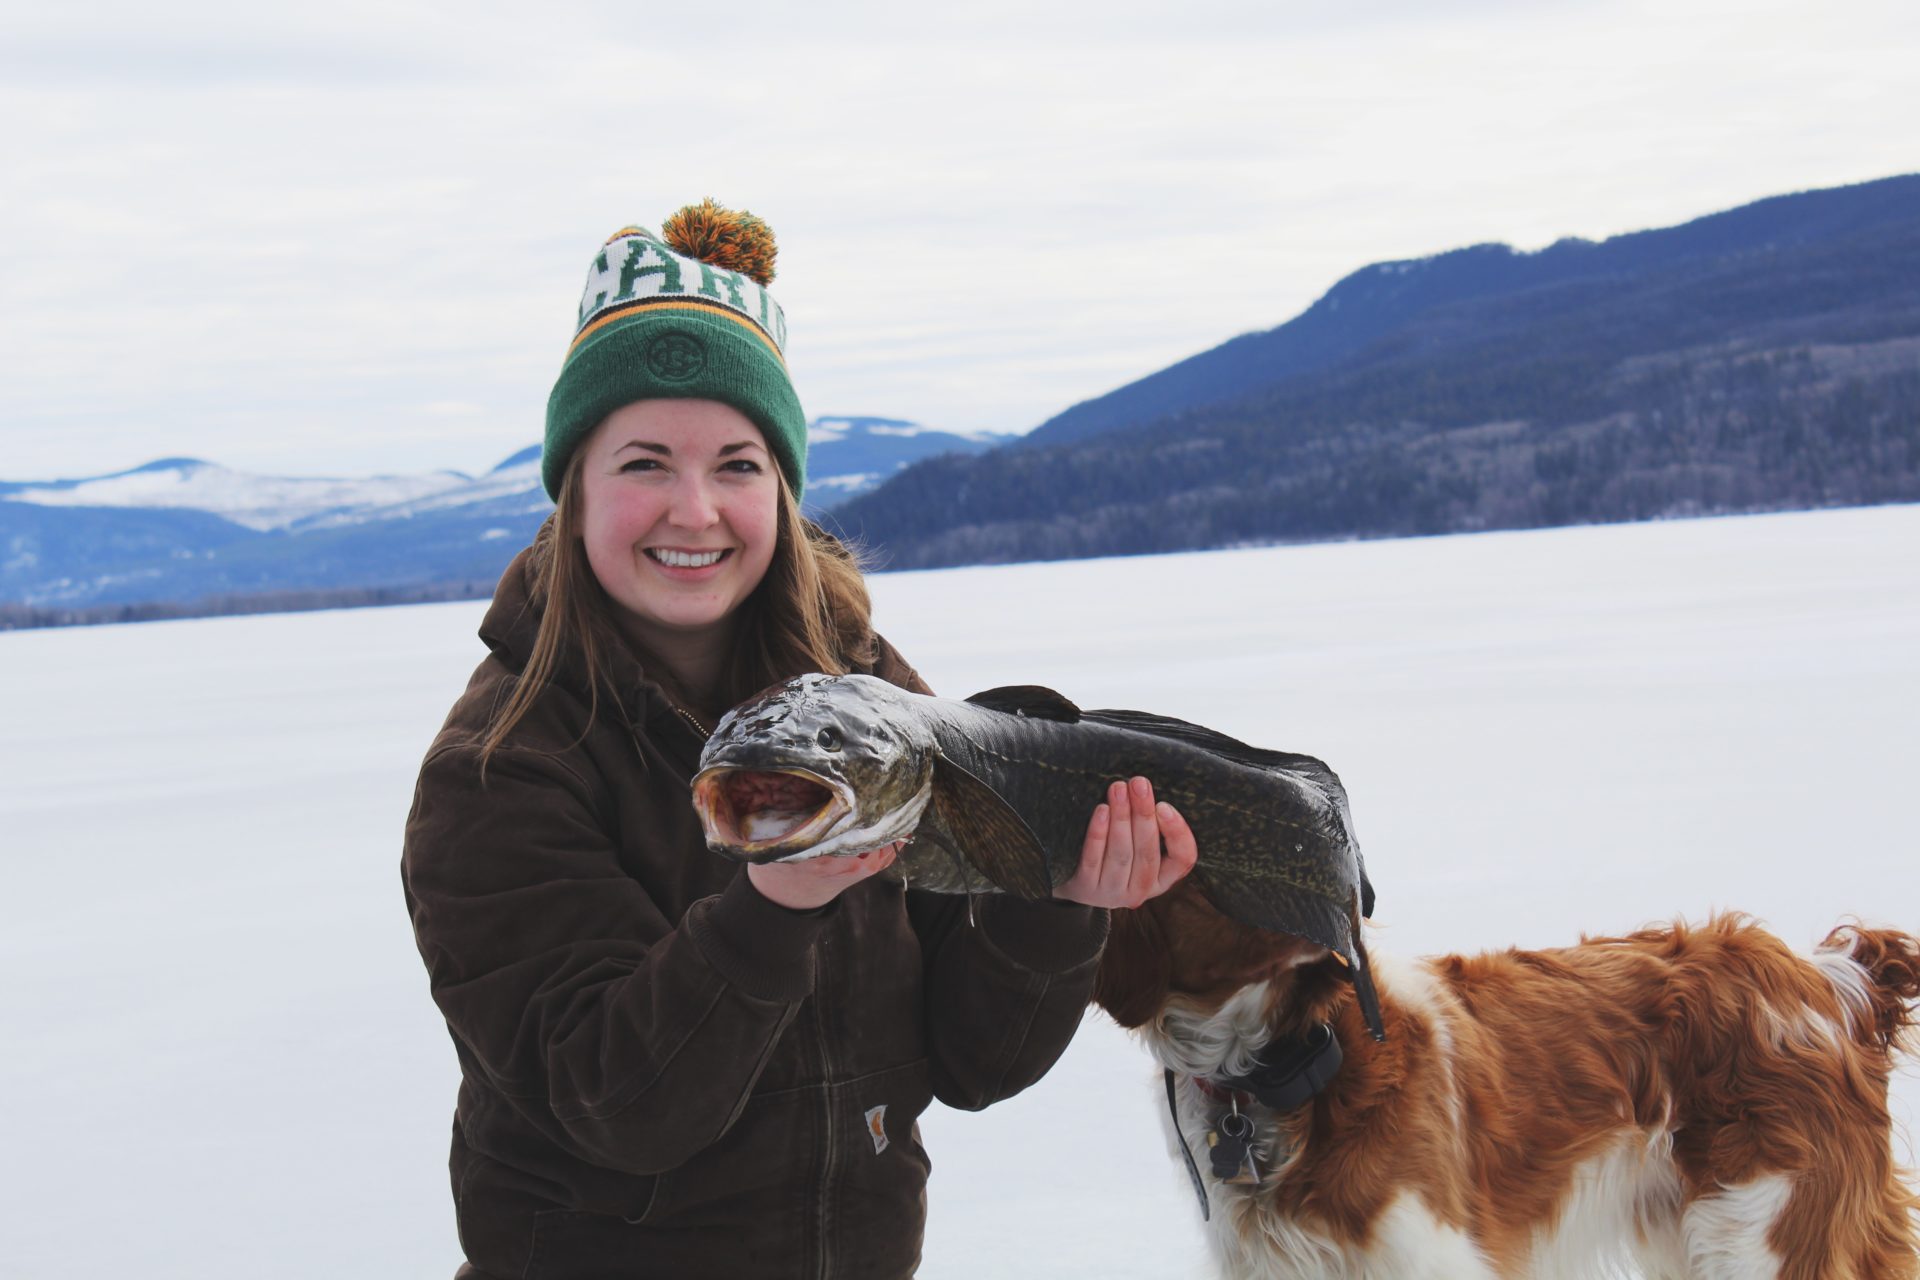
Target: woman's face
(678, 514)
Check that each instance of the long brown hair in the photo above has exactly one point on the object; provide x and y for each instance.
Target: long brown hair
(810, 612)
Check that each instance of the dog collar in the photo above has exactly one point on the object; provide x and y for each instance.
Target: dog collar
(1285, 1074)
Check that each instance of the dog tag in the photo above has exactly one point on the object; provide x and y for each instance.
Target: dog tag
(1230, 1149)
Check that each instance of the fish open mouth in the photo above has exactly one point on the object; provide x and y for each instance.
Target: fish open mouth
(760, 815)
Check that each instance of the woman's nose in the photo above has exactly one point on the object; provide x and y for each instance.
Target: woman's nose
(692, 507)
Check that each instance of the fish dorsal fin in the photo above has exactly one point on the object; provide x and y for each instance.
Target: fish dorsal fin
(1213, 740)
(996, 840)
(1027, 700)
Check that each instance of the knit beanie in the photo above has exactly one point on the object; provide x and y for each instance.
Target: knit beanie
(682, 315)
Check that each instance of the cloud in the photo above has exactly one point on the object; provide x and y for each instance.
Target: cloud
(272, 237)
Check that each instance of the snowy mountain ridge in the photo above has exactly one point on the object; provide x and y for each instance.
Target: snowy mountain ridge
(253, 501)
(180, 529)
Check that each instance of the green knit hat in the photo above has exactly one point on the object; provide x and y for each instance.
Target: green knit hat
(683, 315)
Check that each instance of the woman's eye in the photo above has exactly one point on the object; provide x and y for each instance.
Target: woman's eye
(744, 466)
(639, 464)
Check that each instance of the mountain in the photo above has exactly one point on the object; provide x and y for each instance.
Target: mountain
(253, 502)
(179, 534)
(847, 457)
(182, 530)
(1766, 357)
(1377, 300)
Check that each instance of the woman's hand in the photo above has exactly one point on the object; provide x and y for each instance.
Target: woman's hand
(813, 883)
(1121, 864)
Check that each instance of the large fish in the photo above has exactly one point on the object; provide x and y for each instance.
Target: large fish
(995, 793)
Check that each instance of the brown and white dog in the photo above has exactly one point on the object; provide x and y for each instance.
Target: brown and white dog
(1679, 1102)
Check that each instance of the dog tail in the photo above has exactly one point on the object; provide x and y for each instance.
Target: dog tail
(1877, 974)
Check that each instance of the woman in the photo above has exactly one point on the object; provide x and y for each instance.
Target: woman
(670, 1066)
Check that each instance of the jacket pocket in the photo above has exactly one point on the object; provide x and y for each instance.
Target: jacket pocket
(569, 1244)
(645, 1212)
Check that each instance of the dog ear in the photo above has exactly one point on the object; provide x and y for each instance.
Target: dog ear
(1135, 969)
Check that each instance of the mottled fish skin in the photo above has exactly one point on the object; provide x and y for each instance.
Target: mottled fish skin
(1275, 838)
(1249, 823)
(997, 792)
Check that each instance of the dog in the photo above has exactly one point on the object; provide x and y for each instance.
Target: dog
(1681, 1103)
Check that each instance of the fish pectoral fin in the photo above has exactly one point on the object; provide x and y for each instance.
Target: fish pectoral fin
(1027, 700)
(994, 839)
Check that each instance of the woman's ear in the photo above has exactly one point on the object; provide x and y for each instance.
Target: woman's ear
(1135, 969)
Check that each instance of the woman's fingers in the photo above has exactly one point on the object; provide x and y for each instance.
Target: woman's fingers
(1083, 884)
(1120, 835)
(1121, 862)
(1144, 871)
(1093, 850)
(814, 882)
(1182, 851)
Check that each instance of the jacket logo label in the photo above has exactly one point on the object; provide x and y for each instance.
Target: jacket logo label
(877, 1127)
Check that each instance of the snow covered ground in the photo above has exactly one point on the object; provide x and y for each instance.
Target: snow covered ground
(220, 1058)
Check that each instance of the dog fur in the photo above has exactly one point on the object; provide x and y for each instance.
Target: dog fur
(1683, 1103)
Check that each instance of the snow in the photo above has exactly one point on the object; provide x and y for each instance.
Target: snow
(828, 430)
(222, 1060)
(258, 502)
(851, 480)
(501, 483)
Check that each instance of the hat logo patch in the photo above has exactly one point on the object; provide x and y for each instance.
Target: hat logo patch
(676, 357)
(877, 1127)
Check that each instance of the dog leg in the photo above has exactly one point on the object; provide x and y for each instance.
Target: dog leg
(1847, 1220)
(1726, 1231)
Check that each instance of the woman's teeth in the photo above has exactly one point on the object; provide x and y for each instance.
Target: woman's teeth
(685, 559)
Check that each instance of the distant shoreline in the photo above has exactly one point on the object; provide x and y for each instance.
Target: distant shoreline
(22, 617)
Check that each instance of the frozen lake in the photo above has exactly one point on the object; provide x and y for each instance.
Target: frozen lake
(222, 1060)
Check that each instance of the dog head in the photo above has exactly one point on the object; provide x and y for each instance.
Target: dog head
(1180, 951)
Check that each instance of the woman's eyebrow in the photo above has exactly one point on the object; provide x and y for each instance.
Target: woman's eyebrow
(665, 452)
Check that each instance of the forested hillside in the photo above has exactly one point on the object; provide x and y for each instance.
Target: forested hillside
(1761, 359)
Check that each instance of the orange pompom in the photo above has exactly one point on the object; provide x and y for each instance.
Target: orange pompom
(713, 233)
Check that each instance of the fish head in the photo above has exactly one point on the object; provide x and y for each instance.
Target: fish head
(819, 765)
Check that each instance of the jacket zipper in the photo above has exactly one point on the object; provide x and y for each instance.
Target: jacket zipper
(828, 1145)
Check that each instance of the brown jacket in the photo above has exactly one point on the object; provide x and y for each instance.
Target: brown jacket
(663, 1073)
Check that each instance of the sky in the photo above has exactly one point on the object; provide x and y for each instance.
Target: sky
(349, 239)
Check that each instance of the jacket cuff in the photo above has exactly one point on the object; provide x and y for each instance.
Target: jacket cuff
(1044, 936)
(756, 944)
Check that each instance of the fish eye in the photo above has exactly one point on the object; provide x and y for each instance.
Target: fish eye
(829, 738)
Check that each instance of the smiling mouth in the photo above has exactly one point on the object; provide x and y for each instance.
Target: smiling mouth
(686, 559)
(759, 815)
